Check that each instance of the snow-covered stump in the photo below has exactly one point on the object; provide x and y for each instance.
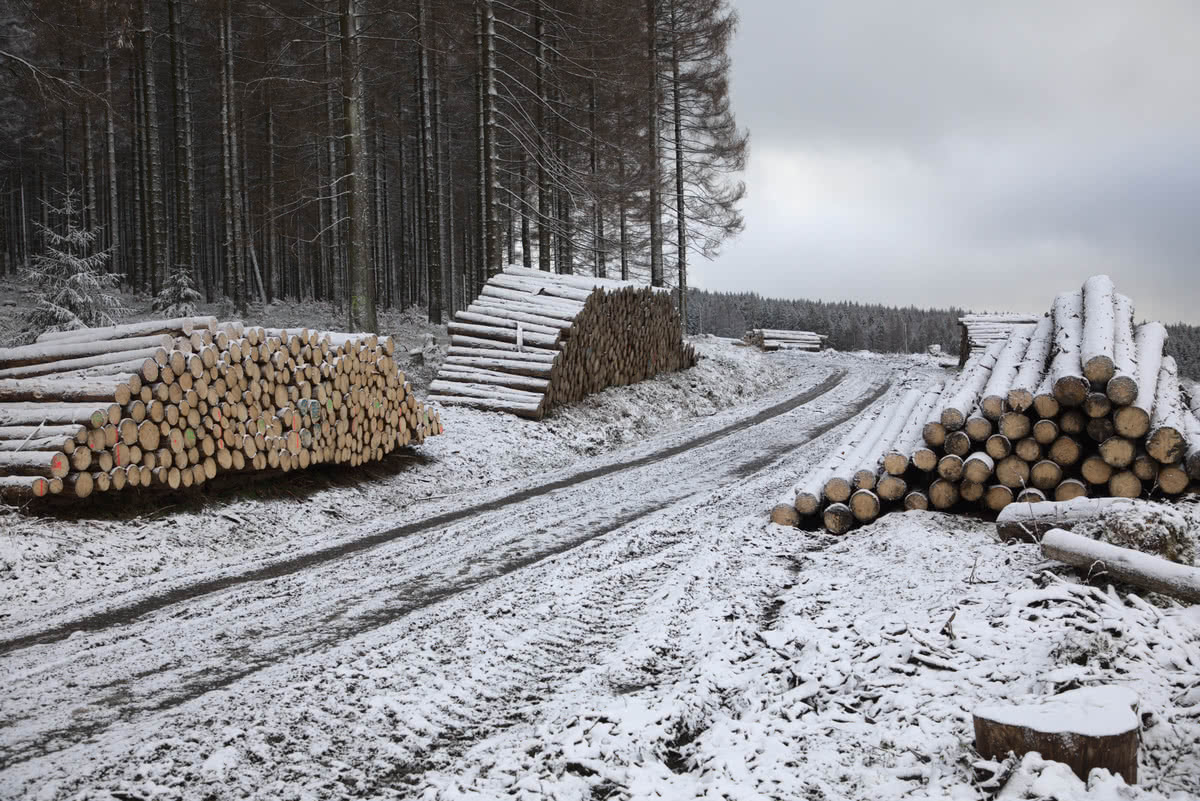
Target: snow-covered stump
(1066, 365)
(1091, 727)
(1122, 388)
(1133, 421)
(1101, 559)
(1099, 327)
(1032, 369)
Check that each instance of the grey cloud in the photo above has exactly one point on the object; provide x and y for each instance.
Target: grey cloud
(968, 153)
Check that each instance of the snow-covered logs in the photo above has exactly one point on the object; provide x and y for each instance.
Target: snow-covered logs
(771, 339)
(1031, 418)
(207, 399)
(534, 340)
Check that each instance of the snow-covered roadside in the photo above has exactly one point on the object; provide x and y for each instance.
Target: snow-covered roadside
(856, 681)
(59, 566)
(697, 653)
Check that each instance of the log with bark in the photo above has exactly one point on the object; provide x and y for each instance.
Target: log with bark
(1101, 560)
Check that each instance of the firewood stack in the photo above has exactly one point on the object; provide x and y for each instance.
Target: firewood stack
(535, 340)
(175, 403)
(1081, 404)
(772, 339)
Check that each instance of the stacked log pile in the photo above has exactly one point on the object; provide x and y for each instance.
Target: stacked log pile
(535, 340)
(772, 339)
(1080, 403)
(981, 330)
(175, 403)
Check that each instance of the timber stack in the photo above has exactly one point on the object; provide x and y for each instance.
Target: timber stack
(772, 339)
(535, 340)
(175, 403)
(1081, 403)
(981, 330)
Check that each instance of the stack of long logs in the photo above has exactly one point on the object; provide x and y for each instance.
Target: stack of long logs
(535, 340)
(1081, 404)
(175, 403)
(772, 339)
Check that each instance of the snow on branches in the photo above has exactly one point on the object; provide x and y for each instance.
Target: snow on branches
(72, 288)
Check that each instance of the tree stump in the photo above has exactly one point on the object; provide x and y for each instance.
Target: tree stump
(1092, 727)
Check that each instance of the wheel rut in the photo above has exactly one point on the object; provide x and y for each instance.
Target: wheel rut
(158, 674)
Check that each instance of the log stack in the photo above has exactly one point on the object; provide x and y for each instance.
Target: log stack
(981, 330)
(175, 403)
(772, 339)
(1080, 402)
(535, 340)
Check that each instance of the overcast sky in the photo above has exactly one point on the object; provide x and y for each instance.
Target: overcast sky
(980, 154)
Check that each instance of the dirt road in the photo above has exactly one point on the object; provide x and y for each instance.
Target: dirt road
(509, 596)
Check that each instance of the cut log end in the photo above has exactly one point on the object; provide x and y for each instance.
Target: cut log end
(838, 518)
(785, 515)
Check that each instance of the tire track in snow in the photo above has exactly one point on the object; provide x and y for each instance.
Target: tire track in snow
(165, 660)
(123, 615)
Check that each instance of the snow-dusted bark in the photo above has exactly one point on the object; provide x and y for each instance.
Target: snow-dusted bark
(1004, 373)
(1032, 369)
(1133, 421)
(1166, 442)
(899, 416)
(1099, 324)
(896, 461)
(1045, 405)
(1122, 388)
(975, 377)
(1123, 564)
(840, 484)
(1066, 365)
(807, 494)
(1191, 435)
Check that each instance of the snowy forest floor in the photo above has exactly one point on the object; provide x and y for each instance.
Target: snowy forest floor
(636, 634)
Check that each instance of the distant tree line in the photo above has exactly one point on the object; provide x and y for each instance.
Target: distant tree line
(865, 326)
(370, 151)
(1184, 345)
(850, 326)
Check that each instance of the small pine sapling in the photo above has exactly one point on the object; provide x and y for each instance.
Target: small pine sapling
(178, 297)
(72, 287)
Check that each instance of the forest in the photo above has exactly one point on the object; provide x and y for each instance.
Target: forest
(866, 326)
(366, 152)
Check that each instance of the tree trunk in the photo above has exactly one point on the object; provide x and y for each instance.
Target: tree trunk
(157, 223)
(680, 205)
(654, 155)
(429, 177)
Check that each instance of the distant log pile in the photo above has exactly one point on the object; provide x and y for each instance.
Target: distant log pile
(535, 340)
(1078, 403)
(772, 339)
(175, 403)
(981, 330)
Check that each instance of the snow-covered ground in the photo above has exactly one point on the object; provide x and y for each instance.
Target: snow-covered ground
(613, 619)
